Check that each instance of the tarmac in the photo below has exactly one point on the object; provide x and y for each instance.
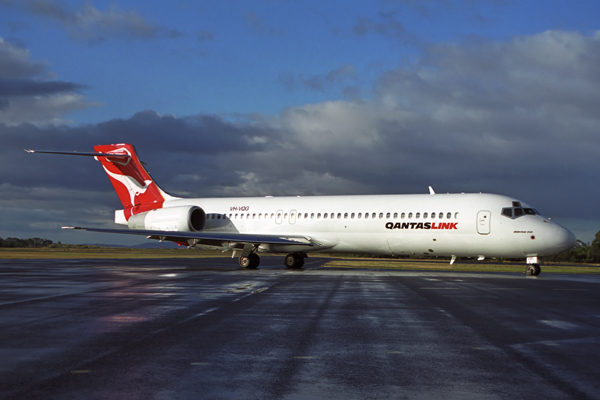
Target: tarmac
(207, 329)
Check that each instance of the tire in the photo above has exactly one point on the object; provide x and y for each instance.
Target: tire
(294, 261)
(250, 262)
(244, 261)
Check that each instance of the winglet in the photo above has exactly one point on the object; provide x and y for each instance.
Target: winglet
(431, 191)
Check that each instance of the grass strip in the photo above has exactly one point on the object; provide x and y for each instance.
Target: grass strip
(456, 267)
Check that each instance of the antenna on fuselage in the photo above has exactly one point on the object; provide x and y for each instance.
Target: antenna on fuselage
(431, 191)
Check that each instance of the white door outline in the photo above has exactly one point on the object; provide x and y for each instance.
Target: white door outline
(483, 222)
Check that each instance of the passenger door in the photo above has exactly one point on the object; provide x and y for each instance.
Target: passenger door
(483, 222)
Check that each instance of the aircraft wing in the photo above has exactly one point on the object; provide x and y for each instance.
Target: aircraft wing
(210, 239)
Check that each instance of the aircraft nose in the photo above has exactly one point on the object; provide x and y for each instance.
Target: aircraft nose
(564, 239)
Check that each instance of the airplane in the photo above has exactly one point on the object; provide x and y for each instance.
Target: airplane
(473, 225)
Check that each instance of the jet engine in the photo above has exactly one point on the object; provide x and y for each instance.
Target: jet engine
(181, 218)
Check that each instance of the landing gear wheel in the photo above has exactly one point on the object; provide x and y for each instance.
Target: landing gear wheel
(250, 262)
(533, 270)
(294, 261)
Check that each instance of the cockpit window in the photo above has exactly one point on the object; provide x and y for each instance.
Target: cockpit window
(516, 212)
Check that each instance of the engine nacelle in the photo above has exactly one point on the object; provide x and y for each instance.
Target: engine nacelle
(182, 219)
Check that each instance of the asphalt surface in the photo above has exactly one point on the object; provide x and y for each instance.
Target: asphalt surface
(196, 329)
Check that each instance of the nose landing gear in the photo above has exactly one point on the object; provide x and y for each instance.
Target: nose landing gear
(533, 268)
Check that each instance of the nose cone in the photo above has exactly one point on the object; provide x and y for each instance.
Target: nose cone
(562, 239)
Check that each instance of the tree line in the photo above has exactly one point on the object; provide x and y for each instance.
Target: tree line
(31, 242)
(581, 253)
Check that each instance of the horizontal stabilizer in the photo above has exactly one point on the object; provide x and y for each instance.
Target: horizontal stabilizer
(80, 153)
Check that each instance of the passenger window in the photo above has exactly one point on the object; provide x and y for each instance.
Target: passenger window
(403, 215)
(424, 215)
(409, 215)
(449, 216)
(366, 215)
(418, 215)
(388, 215)
(455, 215)
(339, 215)
(325, 216)
(395, 215)
(352, 216)
(433, 215)
(441, 215)
(345, 215)
(380, 215)
(312, 216)
(359, 215)
(242, 216)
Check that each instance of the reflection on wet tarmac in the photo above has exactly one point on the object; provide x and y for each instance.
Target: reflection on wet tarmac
(204, 329)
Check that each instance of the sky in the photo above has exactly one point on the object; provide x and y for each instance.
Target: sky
(276, 97)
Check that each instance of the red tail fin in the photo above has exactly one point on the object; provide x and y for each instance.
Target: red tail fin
(134, 186)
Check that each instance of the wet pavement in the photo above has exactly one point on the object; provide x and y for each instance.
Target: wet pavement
(191, 329)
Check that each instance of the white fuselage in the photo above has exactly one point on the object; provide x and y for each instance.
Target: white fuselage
(462, 225)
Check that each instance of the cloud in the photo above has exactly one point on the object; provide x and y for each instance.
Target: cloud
(257, 25)
(93, 25)
(206, 35)
(318, 83)
(28, 95)
(516, 117)
(385, 24)
(15, 62)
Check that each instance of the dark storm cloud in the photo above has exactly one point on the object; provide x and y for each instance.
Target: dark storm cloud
(516, 117)
(15, 63)
(178, 146)
(26, 92)
(29, 87)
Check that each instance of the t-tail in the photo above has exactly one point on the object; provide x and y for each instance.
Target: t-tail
(135, 187)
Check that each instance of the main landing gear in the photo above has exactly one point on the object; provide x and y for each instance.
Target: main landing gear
(294, 260)
(250, 262)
